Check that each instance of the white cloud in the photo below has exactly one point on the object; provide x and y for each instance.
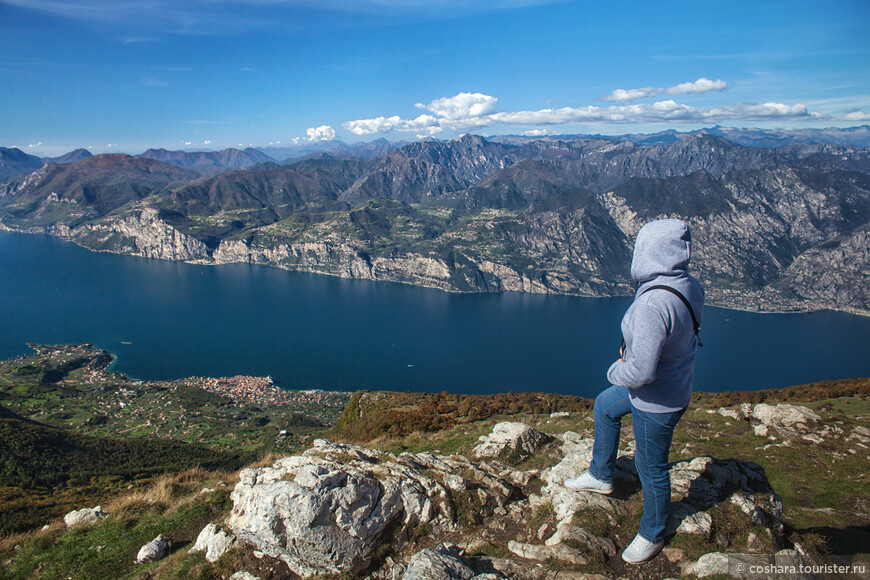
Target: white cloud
(627, 95)
(207, 142)
(426, 124)
(535, 132)
(468, 111)
(702, 85)
(857, 116)
(462, 106)
(322, 133)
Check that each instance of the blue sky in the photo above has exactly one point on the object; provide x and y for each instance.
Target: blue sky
(128, 75)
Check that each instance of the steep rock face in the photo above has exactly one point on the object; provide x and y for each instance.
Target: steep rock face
(837, 272)
(143, 234)
(430, 172)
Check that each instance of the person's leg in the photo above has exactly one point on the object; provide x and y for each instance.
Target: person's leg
(653, 433)
(611, 405)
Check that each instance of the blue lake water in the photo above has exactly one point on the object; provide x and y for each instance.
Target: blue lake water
(168, 320)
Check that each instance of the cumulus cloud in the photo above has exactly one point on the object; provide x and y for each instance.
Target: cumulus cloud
(322, 133)
(468, 111)
(462, 106)
(857, 116)
(702, 85)
(421, 124)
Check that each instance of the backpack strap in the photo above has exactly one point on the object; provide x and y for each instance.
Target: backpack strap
(678, 294)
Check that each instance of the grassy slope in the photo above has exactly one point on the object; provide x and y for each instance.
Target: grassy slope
(73, 433)
(823, 485)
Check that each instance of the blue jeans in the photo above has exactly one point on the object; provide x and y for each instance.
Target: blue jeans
(653, 433)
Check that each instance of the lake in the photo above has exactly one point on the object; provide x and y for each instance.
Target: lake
(166, 320)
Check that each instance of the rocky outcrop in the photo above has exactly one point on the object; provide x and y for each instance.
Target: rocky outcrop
(577, 452)
(517, 438)
(327, 510)
(696, 486)
(84, 516)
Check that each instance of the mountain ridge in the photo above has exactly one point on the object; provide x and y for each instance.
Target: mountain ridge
(472, 214)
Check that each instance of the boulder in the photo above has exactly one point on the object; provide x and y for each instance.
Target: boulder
(516, 437)
(242, 575)
(214, 542)
(783, 415)
(326, 511)
(84, 516)
(442, 563)
(156, 549)
(713, 564)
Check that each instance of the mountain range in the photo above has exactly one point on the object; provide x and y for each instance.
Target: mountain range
(774, 229)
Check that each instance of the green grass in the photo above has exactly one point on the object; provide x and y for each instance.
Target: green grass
(108, 549)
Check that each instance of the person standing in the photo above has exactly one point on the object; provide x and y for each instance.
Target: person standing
(653, 378)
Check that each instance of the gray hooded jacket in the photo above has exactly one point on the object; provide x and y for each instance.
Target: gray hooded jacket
(659, 360)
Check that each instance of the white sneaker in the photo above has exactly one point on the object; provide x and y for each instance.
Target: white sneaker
(588, 482)
(641, 550)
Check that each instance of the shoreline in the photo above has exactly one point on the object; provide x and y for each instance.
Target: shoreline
(253, 388)
(725, 305)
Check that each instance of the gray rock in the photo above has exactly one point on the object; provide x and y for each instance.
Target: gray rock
(711, 564)
(541, 553)
(442, 563)
(84, 516)
(783, 415)
(325, 512)
(699, 523)
(517, 437)
(214, 542)
(156, 549)
(567, 532)
(577, 452)
(729, 413)
(242, 575)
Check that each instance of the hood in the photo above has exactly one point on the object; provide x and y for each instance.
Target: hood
(663, 248)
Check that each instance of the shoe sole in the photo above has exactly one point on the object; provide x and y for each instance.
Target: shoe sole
(599, 491)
